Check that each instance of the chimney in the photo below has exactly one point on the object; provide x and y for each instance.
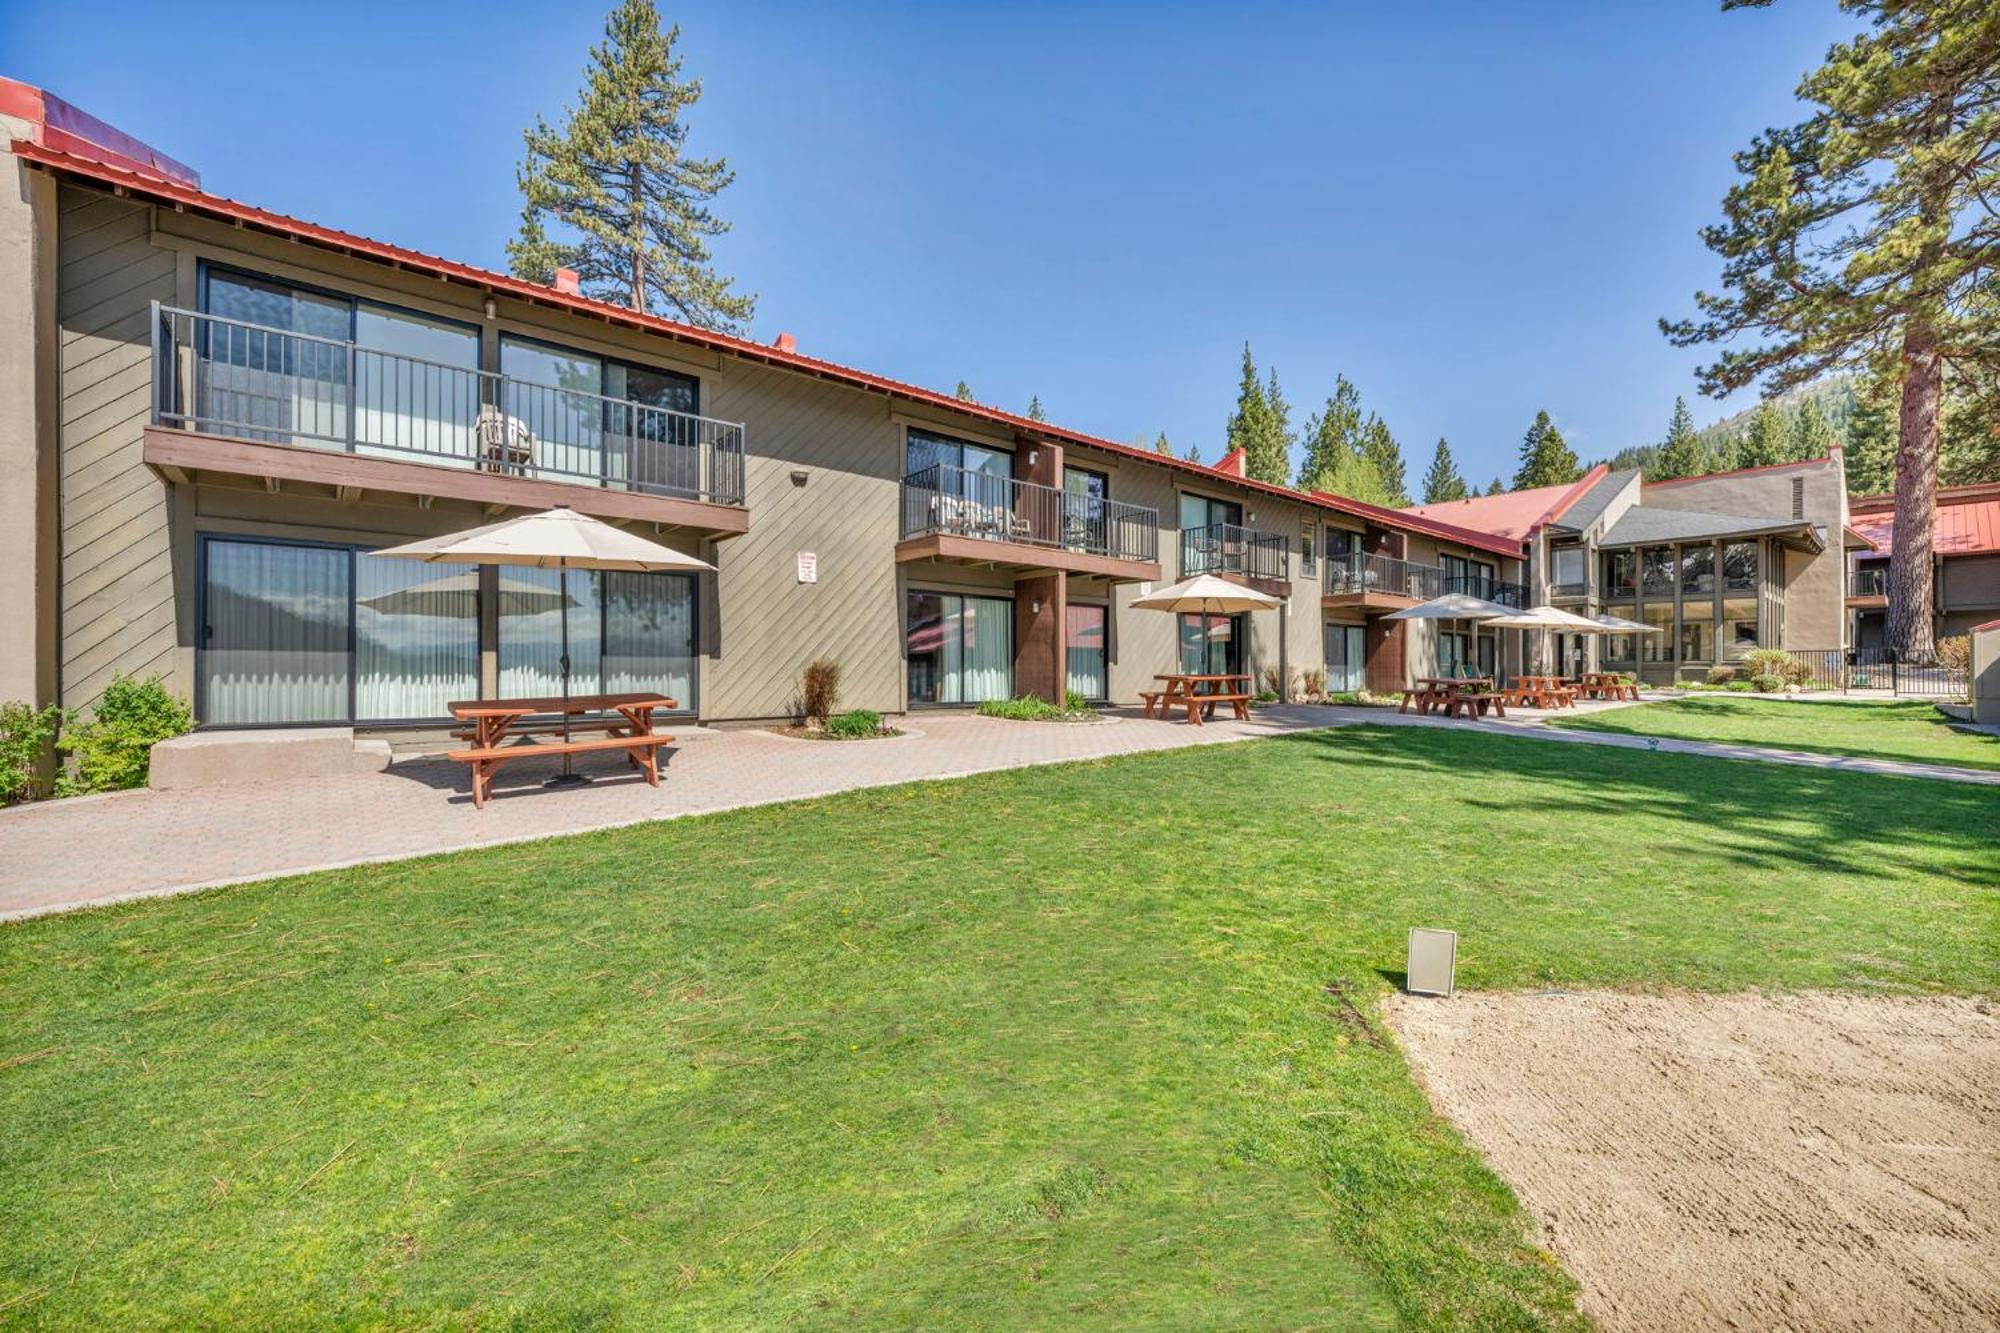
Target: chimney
(567, 282)
(785, 342)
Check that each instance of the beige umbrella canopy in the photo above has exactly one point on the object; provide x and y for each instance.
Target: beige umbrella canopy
(1549, 617)
(558, 538)
(1453, 606)
(1610, 624)
(457, 596)
(1206, 594)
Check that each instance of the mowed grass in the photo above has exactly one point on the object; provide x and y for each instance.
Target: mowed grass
(1905, 729)
(1088, 1046)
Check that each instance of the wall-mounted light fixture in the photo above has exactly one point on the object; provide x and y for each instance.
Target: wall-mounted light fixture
(1038, 606)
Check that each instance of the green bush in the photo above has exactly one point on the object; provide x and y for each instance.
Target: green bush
(25, 736)
(1777, 662)
(854, 724)
(1267, 696)
(1767, 684)
(113, 749)
(1721, 675)
(1076, 703)
(1027, 708)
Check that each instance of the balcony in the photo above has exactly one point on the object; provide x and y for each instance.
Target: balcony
(236, 397)
(1232, 550)
(1568, 591)
(1868, 585)
(1487, 589)
(951, 513)
(1379, 582)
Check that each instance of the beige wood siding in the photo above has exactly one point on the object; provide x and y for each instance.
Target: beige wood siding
(117, 603)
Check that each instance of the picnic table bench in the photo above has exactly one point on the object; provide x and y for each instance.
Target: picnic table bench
(1609, 685)
(1541, 692)
(493, 721)
(1454, 696)
(1180, 691)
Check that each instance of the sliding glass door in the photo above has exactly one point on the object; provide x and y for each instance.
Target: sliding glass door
(1346, 657)
(1211, 645)
(309, 633)
(1084, 644)
(959, 649)
(628, 633)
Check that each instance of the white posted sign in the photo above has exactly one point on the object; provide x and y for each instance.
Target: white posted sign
(808, 567)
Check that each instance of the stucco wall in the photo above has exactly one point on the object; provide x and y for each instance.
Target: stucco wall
(28, 586)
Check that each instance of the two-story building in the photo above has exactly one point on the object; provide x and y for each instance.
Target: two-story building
(1715, 565)
(212, 413)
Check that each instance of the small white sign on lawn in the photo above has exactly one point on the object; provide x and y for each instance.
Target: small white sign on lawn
(1433, 965)
(808, 567)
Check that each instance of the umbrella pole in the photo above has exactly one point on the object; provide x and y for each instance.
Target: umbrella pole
(568, 777)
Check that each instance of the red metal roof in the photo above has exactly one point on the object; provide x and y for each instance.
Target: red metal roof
(1511, 514)
(127, 178)
(1403, 518)
(1968, 521)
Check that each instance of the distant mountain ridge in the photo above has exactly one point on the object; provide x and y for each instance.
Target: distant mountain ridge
(1722, 440)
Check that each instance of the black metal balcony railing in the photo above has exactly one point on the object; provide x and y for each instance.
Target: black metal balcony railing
(1869, 581)
(1487, 589)
(1359, 573)
(960, 503)
(1229, 548)
(249, 381)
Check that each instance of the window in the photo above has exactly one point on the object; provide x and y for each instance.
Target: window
(1567, 568)
(302, 633)
(1619, 568)
(1346, 657)
(1084, 514)
(1085, 647)
(1697, 572)
(958, 467)
(1306, 531)
(1619, 647)
(628, 633)
(960, 649)
(603, 420)
(1199, 511)
(1659, 645)
(1739, 627)
(1211, 645)
(1697, 634)
(1739, 567)
(1656, 564)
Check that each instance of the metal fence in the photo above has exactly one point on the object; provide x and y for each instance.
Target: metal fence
(1362, 573)
(1854, 669)
(249, 381)
(962, 503)
(1488, 589)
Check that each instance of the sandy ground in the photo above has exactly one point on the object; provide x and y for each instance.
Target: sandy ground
(1738, 1161)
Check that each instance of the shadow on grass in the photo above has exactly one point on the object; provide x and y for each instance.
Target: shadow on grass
(1775, 816)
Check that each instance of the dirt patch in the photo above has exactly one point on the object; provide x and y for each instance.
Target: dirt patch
(1738, 1161)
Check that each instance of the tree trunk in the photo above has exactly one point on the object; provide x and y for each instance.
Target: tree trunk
(636, 198)
(1911, 565)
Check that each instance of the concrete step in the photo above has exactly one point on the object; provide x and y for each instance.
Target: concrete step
(233, 758)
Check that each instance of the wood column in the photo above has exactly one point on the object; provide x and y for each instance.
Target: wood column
(1388, 648)
(1041, 603)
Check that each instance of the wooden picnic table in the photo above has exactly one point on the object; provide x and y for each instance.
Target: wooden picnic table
(1454, 696)
(1181, 689)
(1542, 692)
(493, 721)
(1609, 685)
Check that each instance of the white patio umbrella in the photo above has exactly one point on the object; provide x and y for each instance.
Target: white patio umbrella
(1550, 617)
(1206, 595)
(558, 538)
(1619, 625)
(1453, 606)
(456, 596)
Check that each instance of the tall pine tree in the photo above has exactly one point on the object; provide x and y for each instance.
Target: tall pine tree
(1331, 437)
(1681, 455)
(1769, 439)
(1160, 446)
(1035, 412)
(630, 204)
(1249, 426)
(1271, 459)
(963, 392)
(1497, 487)
(1379, 447)
(1443, 481)
(1546, 459)
(1864, 235)
(1812, 437)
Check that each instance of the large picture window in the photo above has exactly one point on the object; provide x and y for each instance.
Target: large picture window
(960, 649)
(1085, 644)
(629, 633)
(601, 419)
(1211, 645)
(1346, 657)
(308, 633)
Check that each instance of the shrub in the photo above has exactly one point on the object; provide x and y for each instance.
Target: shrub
(1267, 696)
(1721, 675)
(1740, 686)
(1312, 684)
(1274, 682)
(1955, 654)
(854, 724)
(1777, 662)
(25, 736)
(1027, 708)
(1767, 684)
(113, 750)
(1076, 703)
(819, 690)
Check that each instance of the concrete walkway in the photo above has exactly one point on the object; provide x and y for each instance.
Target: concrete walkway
(92, 850)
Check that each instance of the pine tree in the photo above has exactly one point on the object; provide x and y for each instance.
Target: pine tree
(1496, 487)
(1546, 459)
(1812, 437)
(1035, 408)
(1769, 439)
(1871, 442)
(1863, 236)
(963, 392)
(1270, 459)
(1443, 481)
(1160, 446)
(1331, 436)
(1193, 454)
(1379, 447)
(1681, 455)
(633, 205)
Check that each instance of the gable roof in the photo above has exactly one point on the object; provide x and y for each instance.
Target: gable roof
(1590, 506)
(126, 177)
(1646, 525)
(1512, 514)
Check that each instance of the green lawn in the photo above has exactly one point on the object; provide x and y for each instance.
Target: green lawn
(1907, 729)
(1064, 1047)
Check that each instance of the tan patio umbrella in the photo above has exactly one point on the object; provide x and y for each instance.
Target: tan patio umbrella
(1620, 625)
(1206, 594)
(558, 538)
(1550, 617)
(457, 595)
(1453, 606)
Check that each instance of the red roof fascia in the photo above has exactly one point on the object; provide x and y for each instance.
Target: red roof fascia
(1571, 496)
(1400, 518)
(1981, 629)
(1978, 490)
(1862, 537)
(1743, 471)
(236, 211)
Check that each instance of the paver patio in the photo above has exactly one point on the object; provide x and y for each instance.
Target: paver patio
(64, 854)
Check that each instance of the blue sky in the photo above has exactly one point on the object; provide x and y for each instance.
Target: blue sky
(1473, 210)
